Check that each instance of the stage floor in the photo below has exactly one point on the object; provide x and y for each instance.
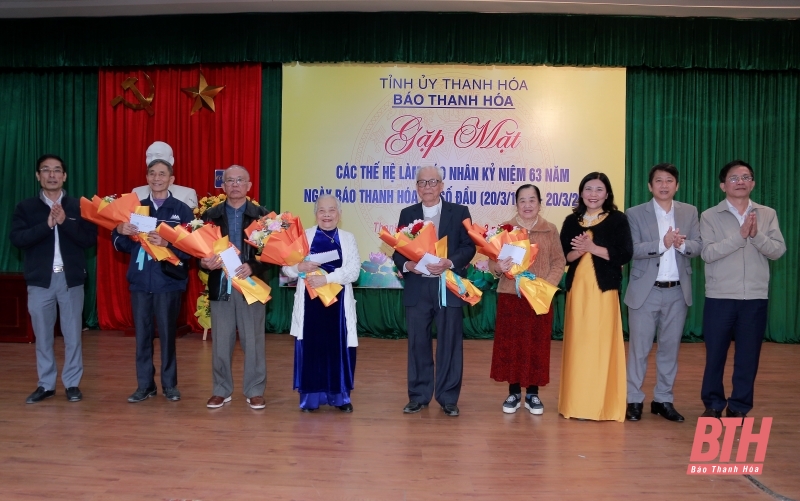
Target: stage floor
(105, 448)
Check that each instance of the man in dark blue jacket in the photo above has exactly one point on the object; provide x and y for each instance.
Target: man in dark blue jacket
(52, 236)
(156, 287)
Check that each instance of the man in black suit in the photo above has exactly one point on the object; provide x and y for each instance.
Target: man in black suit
(52, 236)
(422, 300)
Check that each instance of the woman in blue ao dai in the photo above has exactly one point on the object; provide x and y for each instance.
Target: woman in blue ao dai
(325, 348)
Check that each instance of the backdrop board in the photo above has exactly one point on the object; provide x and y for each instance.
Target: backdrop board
(360, 132)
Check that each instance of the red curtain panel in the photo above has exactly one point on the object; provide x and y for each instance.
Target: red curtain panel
(202, 142)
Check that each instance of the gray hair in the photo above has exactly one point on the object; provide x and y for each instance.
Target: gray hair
(429, 167)
(234, 166)
(327, 195)
(163, 162)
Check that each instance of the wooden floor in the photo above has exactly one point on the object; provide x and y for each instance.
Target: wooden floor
(105, 448)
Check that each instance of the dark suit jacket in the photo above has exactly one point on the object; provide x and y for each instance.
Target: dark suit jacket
(31, 234)
(646, 259)
(460, 248)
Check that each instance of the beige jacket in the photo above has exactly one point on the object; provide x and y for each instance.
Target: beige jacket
(549, 263)
(736, 267)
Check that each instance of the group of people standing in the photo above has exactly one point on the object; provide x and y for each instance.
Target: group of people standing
(735, 238)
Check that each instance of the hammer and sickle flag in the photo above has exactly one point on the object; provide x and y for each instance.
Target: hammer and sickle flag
(144, 103)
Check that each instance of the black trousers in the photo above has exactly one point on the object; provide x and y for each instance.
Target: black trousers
(723, 320)
(443, 380)
(164, 308)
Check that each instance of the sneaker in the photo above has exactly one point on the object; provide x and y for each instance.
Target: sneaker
(141, 394)
(172, 394)
(512, 403)
(533, 404)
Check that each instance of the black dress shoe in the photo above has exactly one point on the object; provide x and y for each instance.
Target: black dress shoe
(450, 409)
(74, 394)
(709, 412)
(308, 410)
(634, 412)
(346, 408)
(666, 410)
(734, 414)
(413, 407)
(39, 395)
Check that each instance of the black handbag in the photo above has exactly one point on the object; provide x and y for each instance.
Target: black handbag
(176, 272)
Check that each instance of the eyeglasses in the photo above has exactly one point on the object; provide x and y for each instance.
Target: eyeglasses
(238, 180)
(433, 183)
(47, 171)
(158, 175)
(736, 179)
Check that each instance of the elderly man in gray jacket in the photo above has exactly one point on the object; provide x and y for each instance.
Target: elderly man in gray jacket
(739, 237)
(666, 235)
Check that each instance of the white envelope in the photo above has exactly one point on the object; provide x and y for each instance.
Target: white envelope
(145, 224)
(517, 254)
(422, 265)
(230, 260)
(324, 257)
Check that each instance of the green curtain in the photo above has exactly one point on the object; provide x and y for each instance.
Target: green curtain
(47, 112)
(279, 308)
(700, 120)
(412, 37)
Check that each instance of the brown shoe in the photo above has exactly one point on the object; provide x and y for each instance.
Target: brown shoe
(216, 402)
(256, 402)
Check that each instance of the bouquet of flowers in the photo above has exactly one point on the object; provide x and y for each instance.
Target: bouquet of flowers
(195, 238)
(412, 241)
(536, 291)
(280, 239)
(109, 211)
(206, 240)
(327, 293)
(459, 286)
(490, 241)
(419, 238)
(539, 293)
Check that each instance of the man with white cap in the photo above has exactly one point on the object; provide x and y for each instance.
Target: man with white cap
(162, 152)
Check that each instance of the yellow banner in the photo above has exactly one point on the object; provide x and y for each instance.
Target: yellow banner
(360, 132)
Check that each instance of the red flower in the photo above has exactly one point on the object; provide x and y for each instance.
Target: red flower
(188, 227)
(400, 228)
(416, 228)
(507, 227)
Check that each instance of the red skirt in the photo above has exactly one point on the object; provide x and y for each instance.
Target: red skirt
(521, 352)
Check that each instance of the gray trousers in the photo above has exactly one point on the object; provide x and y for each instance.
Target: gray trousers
(226, 318)
(42, 305)
(664, 311)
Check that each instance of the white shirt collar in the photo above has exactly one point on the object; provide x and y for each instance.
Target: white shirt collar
(432, 211)
(49, 202)
(660, 210)
(736, 211)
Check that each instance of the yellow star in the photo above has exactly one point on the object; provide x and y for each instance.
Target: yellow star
(203, 94)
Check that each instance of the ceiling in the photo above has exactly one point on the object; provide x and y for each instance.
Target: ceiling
(785, 9)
